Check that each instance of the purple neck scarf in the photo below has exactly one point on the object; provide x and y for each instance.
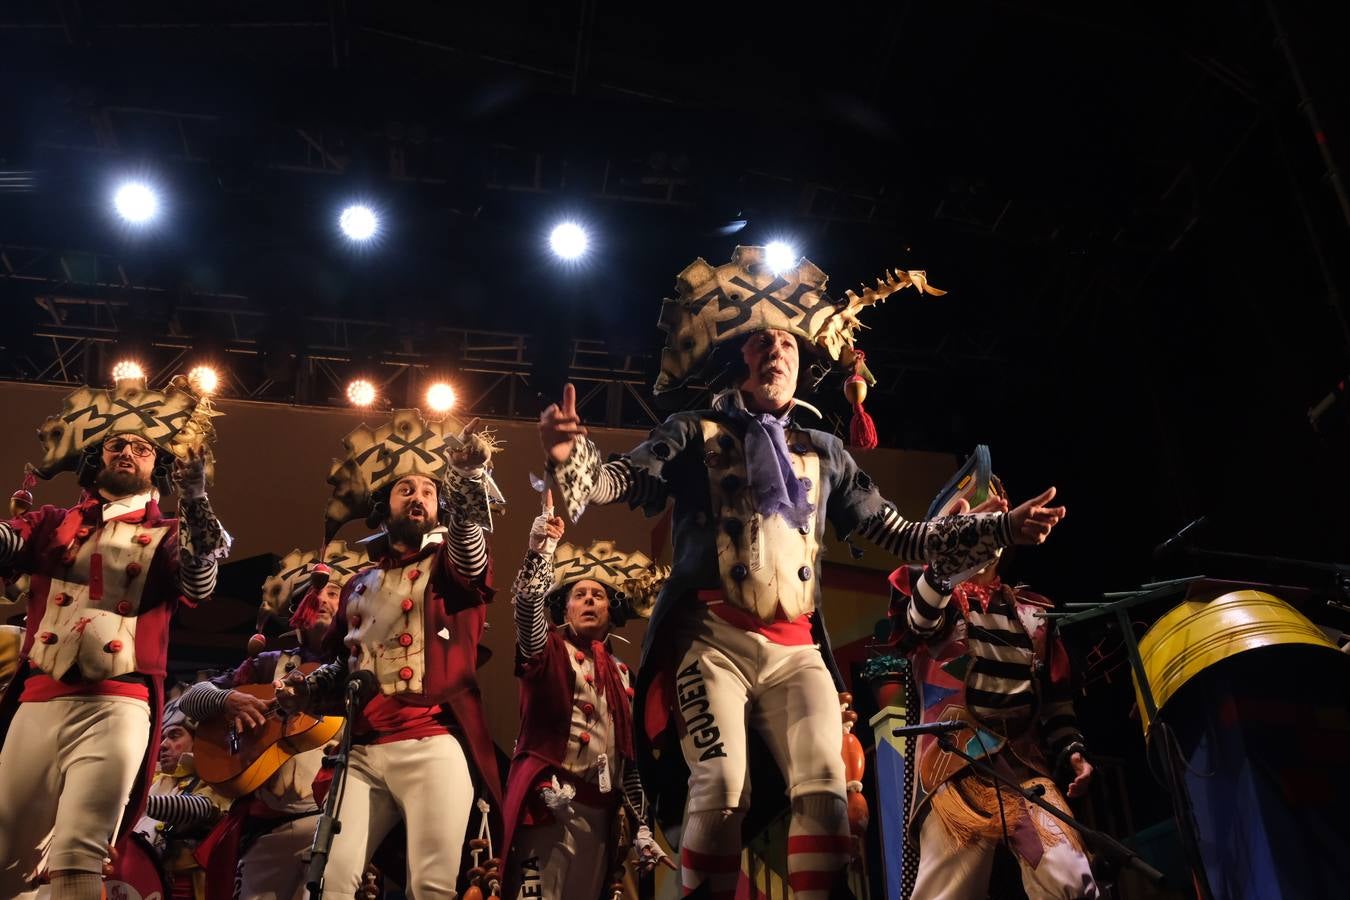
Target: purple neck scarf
(776, 488)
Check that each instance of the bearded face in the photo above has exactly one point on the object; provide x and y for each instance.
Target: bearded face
(413, 507)
(128, 464)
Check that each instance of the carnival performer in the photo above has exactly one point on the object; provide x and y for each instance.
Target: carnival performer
(180, 809)
(982, 654)
(413, 622)
(107, 574)
(574, 800)
(737, 641)
(258, 851)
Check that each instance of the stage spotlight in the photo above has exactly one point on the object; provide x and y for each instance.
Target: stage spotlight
(440, 397)
(136, 202)
(204, 379)
(569, 241)
(360, 392)
(128, 370)
(358, 222)
(780, 256)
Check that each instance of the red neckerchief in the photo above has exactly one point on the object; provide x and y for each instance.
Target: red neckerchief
(983, 592)
(616, 697)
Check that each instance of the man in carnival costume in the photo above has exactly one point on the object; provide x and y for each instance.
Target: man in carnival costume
(181, 808)
(574, 800)
(82, 713)
(257, 852)
(413, 622)
(736, 636)
(983, 654)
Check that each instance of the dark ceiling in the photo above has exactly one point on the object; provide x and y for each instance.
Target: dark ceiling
(1125, 202)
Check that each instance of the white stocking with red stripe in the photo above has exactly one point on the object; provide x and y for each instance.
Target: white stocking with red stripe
(818, 845)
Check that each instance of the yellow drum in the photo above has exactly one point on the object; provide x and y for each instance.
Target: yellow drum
(1194, 636)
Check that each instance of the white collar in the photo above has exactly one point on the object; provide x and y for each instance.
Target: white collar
(731, 397)
(435, 536)
(135, 503)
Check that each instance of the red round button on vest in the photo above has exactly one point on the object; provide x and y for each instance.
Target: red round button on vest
(590, 679)
(405, 673)
(47, 637)
(124, 608)
(414, 575)
(405, 639)
(588, 709)
(84, 532)
(584, 737)
(133, 569)
(630, 691)
(143, 540)
(407, 604)
(61, 600)
(581, 657)
(113, 647)
(623, 668)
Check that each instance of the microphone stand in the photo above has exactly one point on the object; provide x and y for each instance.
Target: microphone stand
(329, 823)
(1115, 852)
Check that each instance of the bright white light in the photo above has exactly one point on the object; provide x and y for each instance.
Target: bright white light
(136, 202)
(128, 369)
(569, 240)
(361, 392)
(780, 256)
(359, 222)
(440, 397)
(204, 379)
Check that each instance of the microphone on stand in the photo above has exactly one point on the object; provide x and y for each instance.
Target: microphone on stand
(929, 728)
(1175, 542)
(363, 686)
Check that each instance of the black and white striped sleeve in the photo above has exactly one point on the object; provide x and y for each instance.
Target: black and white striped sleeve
(468, 548)
(181, 810)
(1059, 721)
(927, 604)
(11, 543)
(632, 790)
(952, 546)
(529, 593)
(197, 577)
(202, 543)
(203, 701)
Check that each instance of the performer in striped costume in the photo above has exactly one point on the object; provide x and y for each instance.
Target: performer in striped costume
(181, 808)
(107, 575)
(984, 656)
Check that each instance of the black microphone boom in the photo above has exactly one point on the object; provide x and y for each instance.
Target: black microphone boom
(929, 728)
(1175, 542)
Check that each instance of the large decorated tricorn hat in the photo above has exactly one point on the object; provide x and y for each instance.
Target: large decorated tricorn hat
(177, 421)
(408, 444)
(717, 304)
(282, 592)
(633, 579)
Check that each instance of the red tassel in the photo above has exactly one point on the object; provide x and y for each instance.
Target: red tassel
(862, 431)
(29, 479)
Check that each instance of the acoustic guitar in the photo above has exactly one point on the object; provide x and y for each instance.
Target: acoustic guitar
(236, 763)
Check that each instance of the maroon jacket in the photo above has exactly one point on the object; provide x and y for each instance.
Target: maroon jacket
(50, 535)
(547, 691)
